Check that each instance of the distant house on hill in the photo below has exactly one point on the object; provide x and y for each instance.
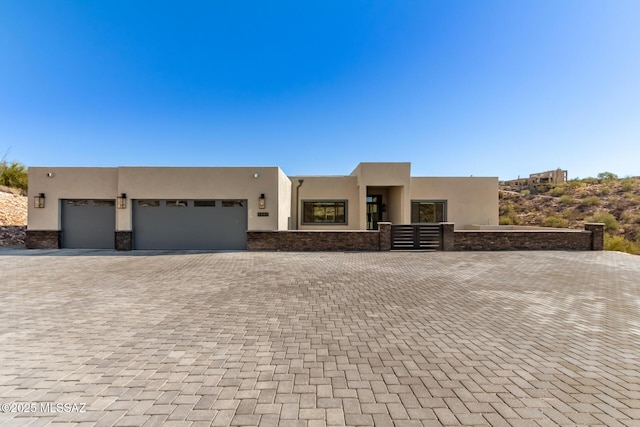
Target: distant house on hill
(558, 176)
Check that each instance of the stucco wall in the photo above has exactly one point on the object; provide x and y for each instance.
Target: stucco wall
(284, 199)
(159, 183)
(471, 200)
(203, 183)
(327, 188)
(66, 183)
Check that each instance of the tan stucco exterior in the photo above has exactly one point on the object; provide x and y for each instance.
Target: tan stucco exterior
(161, 183)
(472, 200)
(66, 183)
(469, 200)
(320, 188)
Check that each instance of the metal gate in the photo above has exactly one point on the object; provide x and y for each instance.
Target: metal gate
(416, 237)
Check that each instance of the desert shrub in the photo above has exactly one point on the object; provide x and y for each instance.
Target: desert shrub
(591, 201)
(507, 209)
(506, 220)
(557, 191)
(14, 175)
(525, 193)
(554, 221)
(574, 183)
(591, 180)
(542, 188)
(619, 243)
(607, 176)
(566, 200)
(628, 184)
(609, 221)
(604, 191)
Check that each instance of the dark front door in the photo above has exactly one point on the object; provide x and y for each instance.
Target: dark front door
(374, 211)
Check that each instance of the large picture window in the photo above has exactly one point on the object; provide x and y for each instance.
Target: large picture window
(428, 211)
(324, 212)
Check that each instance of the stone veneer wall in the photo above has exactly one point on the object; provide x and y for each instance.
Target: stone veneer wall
(43, 239)
(124, 240)
(297, 240)
(313, 241)
(498, 240)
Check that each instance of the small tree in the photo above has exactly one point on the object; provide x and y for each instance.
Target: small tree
(607, 176)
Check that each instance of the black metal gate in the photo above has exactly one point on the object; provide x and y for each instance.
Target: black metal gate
(416, 237)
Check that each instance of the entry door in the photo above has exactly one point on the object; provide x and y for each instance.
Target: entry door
(374, 211)
(88, 224)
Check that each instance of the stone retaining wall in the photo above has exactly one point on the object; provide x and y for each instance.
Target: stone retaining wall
(12, 235)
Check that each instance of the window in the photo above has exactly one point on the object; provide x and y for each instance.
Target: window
(148, 203)
(232, 204)
(428, 211)
(177, 203)
(204, 203)
(104, 203)
(324, 212)
(79, 202)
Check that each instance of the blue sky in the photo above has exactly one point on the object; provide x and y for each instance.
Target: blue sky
(458, 88)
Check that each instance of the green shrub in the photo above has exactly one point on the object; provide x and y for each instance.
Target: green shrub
(557, 191)
(14, 175)
(609, 221)
(507, 209)
(591, 201)
(566, 200)
(506, 220)
(605, 191)
(554, 221)
(628, 184)
(619, 243)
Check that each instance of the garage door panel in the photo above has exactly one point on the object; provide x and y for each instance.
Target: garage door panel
(189, 224)
(88, 224)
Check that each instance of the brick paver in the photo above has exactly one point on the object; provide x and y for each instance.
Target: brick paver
(315, 339)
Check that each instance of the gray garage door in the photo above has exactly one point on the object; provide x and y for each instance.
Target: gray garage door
(190, 224)
(88, 224)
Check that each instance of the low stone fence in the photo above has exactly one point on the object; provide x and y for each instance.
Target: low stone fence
(504, 240)
(530, 238)
(481, 238)
(320, 240)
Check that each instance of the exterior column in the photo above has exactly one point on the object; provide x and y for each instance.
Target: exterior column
(124, 240)
(384, 230)
(597, 235)
(447, 236)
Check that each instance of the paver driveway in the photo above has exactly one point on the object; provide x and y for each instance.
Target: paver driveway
(301, 339)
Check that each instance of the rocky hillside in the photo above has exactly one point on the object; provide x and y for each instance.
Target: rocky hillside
(13, 217)
(607, 199)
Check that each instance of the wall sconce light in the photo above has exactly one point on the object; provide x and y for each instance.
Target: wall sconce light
(38, 201)
(121, 201)
(262, 202)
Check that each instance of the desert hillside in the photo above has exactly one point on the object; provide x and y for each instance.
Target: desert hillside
(607, 199)
(13, 217)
